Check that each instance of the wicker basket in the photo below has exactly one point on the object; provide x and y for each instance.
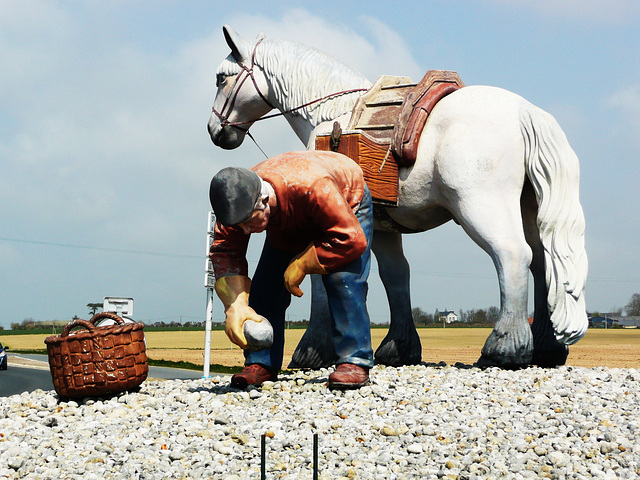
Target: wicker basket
(99, 360)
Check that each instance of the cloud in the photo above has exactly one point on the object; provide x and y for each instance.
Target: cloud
(104, 141)
(381, 51)
(626, 104)
(627, 100)
(33, 39)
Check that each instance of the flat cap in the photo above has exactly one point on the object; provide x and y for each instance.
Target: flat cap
(233, 193)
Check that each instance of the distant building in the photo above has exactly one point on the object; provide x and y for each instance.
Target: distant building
(446, 316)
(629, 322)
(612, 320)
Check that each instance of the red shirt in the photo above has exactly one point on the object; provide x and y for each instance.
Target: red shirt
(318, 193)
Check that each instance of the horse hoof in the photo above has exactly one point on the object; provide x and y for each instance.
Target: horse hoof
(311, 359)
(508, 346)
(395, 353)
(486, 362)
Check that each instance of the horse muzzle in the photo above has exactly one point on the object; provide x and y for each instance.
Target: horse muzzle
(226, 137)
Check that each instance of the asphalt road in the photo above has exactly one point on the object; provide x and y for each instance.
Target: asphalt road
(22, 379)
(19, 379)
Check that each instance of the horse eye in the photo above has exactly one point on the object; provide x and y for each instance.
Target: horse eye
(220, 78)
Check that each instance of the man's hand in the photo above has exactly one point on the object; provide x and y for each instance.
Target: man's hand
(293, 277)
(305, 263)
(233, 291)
(236, 315)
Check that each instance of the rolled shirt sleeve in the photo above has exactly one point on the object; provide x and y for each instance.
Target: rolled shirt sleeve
(228, 252)
(342, 239)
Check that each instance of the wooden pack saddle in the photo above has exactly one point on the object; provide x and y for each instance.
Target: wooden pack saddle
(385, 128)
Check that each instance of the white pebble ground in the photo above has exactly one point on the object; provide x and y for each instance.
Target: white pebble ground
(410, 422)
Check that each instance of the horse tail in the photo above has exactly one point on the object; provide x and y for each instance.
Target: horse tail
(553, 169)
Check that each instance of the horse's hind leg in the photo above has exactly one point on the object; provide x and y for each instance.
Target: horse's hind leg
(496, 226)
(401, 345)
(547, 350)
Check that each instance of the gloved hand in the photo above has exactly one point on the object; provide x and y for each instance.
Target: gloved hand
(303, 264)
(233, 291)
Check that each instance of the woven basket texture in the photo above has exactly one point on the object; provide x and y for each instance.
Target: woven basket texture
(100, 360)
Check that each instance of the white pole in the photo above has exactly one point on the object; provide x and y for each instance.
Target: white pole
(207, 334)
(209, 282)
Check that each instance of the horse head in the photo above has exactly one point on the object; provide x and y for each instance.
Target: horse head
(243, 92)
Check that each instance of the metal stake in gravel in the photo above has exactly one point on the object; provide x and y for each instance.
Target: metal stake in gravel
(315, 456)
(263, 459)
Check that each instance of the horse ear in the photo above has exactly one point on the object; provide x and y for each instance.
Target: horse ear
(240, 48)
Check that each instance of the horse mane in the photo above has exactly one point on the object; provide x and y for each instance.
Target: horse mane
(300, 74)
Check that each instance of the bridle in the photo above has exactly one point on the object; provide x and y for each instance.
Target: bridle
(237, 85)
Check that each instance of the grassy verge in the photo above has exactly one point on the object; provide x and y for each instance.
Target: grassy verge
(26, 351)
(214, 367)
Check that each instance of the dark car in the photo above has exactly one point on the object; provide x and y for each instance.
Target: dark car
(3, 357)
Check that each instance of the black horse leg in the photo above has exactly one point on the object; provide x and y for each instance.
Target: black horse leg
(402, 344)
(315, 349)
(547, 351)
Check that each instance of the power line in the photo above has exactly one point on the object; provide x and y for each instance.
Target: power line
(178, 255)
(103, 249)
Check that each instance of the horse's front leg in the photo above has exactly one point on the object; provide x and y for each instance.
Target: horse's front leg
(315, 349)
(402, 344)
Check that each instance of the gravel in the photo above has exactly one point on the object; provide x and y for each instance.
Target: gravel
(423, 421)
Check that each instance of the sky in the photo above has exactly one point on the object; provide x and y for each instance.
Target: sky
(105, 160)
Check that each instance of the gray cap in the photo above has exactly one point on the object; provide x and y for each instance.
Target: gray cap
(233, 194)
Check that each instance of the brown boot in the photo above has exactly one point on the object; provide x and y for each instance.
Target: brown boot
(253, 374)
(348, 376)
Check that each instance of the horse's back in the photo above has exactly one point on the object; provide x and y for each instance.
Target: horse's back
(480, 109)
(473, 136)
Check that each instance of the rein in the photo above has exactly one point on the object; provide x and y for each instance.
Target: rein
(231, 99)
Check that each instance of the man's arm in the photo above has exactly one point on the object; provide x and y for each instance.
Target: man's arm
(342, 240)
(228, 256)
(228, 252)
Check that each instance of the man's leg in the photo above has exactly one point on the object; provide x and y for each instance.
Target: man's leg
(347, 291)
(269, 298)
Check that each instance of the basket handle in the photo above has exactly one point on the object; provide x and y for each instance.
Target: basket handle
(111, 315)
(77, 323)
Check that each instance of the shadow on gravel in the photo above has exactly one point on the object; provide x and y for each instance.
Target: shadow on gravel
(223, 387)
(479, 366)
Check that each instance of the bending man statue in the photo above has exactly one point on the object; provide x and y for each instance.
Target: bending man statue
(317, 212)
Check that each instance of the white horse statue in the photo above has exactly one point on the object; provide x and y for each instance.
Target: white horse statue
(494, 163)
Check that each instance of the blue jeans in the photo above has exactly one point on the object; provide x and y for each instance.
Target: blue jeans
(347, 295)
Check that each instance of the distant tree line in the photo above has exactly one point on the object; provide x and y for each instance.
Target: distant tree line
(633, 307)
(489, 316)
(31, 324)
(472, 317)
(175, 324)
